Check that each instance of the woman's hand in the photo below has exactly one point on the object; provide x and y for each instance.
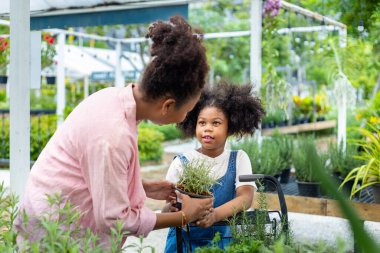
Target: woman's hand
(160, 190)
(195, 209)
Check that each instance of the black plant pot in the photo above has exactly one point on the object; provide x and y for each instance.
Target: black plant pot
(347, 187)
(192, 195)
(320, 118)
(3, 79)
(285, 175)
(50, 79)
(376, 193)
(309, 189)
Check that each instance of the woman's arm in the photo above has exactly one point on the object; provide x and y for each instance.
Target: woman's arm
(192, 210)
(243, 201)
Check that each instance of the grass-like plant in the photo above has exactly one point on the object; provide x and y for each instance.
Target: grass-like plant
(54, 223)
(301, 162)
(285, 146)
(342, 162)
(265, 160)
(197, 178)
(369, 173)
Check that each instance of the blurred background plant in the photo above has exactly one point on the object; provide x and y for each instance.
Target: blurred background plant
(4, 55)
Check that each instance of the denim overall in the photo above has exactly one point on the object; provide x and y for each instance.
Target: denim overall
(223, 192)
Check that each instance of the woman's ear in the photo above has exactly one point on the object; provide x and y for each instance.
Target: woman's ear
(167, 105)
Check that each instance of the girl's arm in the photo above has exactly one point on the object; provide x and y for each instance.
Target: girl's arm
(243, 201)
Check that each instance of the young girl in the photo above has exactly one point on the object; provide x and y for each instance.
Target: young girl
(222, 111)
(92, 159)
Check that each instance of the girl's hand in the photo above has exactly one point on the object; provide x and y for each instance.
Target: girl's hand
(170, 207)
(195, 209)
(207, 221)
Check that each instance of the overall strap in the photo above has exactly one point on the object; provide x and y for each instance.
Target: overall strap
(183, 159)
(232, 160)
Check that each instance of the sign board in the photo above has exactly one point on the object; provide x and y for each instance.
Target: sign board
(110, 76)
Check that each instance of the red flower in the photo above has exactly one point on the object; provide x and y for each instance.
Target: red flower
(47, 37)
(4, 44)
(51, 40)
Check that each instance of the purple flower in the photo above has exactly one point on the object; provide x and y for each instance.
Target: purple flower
(271, 7)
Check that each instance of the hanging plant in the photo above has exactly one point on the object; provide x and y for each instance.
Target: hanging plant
(47, 53)
(4, 55)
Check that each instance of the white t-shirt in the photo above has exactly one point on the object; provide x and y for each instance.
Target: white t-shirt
(243, 166)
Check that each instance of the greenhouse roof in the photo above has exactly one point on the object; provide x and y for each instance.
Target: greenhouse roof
(72, 13)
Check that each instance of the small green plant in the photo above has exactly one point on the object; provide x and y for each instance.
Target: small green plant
(53, 224)
(303, 166)
(342, 162)
(265, 161)
(285, 146)
(369, 173)
(196, 177)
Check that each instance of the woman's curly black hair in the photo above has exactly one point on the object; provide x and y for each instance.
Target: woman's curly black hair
(179, 65)
(242, 108)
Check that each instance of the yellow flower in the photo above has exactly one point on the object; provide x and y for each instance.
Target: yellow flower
(374, 120)
(358, 116)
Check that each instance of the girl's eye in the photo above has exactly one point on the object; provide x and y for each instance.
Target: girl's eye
(216, 123)
(202, 123)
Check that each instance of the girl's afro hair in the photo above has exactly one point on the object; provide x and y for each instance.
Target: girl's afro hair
(240, 105)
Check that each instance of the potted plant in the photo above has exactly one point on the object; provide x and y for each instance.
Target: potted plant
(369, 173)
(306, 180)
(47, 57)
(285, 147)
(4, 53)
(196, 179)
(342, 162)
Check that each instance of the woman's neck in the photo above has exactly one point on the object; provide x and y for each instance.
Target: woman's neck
(143, 108)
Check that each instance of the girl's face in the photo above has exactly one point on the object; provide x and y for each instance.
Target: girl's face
(212, 131)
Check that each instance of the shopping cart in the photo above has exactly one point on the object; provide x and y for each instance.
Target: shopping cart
(276, 221)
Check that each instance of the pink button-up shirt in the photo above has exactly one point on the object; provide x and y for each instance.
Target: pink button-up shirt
(92, 161)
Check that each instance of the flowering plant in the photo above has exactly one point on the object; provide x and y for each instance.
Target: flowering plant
(4, 53)
(48, 50)
(271, 8)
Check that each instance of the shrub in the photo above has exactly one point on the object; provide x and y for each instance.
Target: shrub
(149, 144)
(170, 131)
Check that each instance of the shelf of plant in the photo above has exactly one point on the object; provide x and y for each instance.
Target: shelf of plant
(324, 205)
(314, 126)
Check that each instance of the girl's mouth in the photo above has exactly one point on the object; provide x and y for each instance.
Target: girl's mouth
(207, 138)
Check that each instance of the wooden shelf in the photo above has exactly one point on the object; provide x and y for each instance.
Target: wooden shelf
(320, 206)
(315, 126)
